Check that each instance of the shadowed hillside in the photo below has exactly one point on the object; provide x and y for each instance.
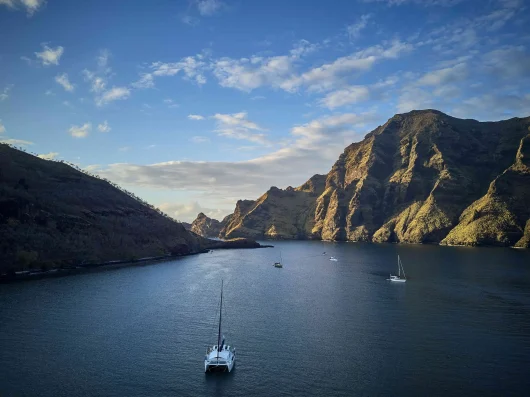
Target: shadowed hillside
(52, 215)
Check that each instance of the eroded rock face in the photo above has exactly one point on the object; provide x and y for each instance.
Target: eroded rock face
(205, 226)
(53, 215)
(422, 177)
(278, 214)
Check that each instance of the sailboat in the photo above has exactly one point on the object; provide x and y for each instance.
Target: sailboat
(279, 264)
(399, 278)
(220, 357)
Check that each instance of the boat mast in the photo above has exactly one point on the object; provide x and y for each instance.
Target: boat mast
(399, 267)
(220, 316)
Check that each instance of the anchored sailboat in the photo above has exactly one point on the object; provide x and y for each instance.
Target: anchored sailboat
(399, 278)
(220, 357)
(279, 264)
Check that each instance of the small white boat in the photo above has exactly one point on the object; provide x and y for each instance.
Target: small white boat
(399, 278)
(332, 258)
(279, 264)
(220, 357)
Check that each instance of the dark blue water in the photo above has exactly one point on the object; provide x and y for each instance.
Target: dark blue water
(459, 326)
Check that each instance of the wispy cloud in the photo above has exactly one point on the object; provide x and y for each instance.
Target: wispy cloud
(50, 56)
(104, 127)
(62, 79)
(199, 139)
(195, 117)
(192, 68)
(171, 103)
(237, 126)
(48, 156)
(189, 20)
(187, 212)
(425, 3)
(2, 128)
(114, 94)
(345, 96)
(208, 7)
(445, 76)
(354, 30)
(331, 75)
(314, 148)
(80, 131)
(146, 81)
(98, 79)
(124, 149)
(5, 92)
(19, 142)
(31, 6)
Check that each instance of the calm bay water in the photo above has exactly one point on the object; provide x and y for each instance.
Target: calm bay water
(459, 326)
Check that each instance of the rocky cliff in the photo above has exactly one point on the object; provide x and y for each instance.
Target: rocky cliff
(52, 215)
(422, 177)
(205, 226)
(284, 214)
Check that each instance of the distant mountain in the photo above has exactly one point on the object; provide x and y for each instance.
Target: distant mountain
(422, 177)
(52, 215)
(205, 226)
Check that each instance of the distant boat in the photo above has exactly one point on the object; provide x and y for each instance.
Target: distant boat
(220, 357)
(399, 278)
(279, 264)
(332, 258)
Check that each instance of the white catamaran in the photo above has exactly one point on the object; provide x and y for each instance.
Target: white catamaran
(220, 357)
(399, 278)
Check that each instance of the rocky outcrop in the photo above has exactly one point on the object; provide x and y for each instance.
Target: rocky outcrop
(422, 177)
(278, 214)
(205, 226)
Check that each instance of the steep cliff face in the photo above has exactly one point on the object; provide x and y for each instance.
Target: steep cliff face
(52, 215)
(422, 177)
(205, 226)
(278, 214)
(502, 215)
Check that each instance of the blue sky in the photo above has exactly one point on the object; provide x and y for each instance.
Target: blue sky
(195, 104)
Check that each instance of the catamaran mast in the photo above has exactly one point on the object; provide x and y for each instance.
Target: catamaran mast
(399, 267)
(220, 316)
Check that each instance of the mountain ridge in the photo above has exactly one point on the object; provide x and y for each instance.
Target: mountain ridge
(415, 179)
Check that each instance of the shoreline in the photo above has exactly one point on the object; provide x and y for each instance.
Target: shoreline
(26, 275)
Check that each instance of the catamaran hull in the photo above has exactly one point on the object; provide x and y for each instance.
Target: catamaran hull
(219, 368)
(397, 280)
